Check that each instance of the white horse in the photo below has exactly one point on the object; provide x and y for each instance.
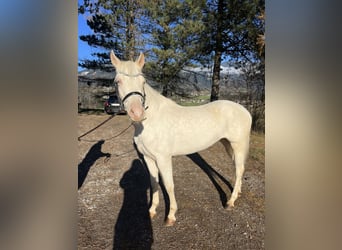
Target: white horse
(164, 129)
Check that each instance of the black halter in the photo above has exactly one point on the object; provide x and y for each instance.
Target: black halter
(134, 93)
(143, 96)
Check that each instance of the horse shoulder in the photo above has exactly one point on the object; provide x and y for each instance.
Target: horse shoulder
(150, 139)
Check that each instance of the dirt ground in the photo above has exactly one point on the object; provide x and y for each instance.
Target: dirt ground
(113, 195)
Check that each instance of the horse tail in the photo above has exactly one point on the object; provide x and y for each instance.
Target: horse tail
(246, 140)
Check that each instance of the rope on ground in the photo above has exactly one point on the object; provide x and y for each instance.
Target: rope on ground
(110, 138)
(88, 132)
(107, 139)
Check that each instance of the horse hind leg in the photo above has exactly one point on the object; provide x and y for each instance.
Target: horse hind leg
(240, 152)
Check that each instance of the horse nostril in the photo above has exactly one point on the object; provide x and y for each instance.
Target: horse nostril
(136, 114)
(132, 112)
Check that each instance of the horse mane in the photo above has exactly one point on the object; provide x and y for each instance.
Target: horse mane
(156, 95)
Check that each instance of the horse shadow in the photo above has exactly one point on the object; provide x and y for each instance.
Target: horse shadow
(133, 228)
(212, 173)
(91, 157)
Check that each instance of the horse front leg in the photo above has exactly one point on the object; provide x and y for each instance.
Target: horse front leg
(165, 167)
(154, 177)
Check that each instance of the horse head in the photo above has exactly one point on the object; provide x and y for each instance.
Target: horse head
(130, 82)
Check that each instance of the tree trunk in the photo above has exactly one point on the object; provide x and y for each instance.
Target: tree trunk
(215, 88)
(165, 90)
(130, 38)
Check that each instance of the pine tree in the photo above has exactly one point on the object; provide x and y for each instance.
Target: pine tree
(115, 26)
(233, 27)
(175, 35)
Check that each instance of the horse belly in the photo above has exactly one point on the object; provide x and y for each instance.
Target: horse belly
(190, 138)
(193, 143)
(173, 142)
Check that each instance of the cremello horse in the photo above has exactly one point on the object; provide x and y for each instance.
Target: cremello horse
(164, 129)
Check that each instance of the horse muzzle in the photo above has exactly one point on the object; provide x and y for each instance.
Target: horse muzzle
(135, 106)
(136, 112)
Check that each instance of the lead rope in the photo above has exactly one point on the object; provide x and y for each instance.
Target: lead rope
(88, 132)
(107, 139)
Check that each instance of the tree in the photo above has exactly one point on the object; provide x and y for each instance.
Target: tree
(233, 27)
(176, 29)
(175, 33)
(115, 27)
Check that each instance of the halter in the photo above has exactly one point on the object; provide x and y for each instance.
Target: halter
(143, 96)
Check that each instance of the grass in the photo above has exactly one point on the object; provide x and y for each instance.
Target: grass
(257, 147)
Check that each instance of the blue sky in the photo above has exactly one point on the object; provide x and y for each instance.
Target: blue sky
(84, 50)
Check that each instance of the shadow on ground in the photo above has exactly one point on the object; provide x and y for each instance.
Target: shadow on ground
(133, 228)
(212, 174)
(93, 154)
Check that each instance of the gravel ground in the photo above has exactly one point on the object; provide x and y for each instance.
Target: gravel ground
(113, 195)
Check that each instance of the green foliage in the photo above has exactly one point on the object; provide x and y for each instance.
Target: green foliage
(173, 34)
(114, 26)
(176, 28)
(235, 28)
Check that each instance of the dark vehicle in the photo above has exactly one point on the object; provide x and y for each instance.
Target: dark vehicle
(113, 106)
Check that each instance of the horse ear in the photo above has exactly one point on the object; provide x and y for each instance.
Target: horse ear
(115, 61)
(141, 60)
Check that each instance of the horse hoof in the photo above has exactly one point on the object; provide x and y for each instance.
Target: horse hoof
(152, 215)
(169, 222)
(229, 206)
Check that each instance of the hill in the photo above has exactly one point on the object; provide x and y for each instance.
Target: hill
(193, 84)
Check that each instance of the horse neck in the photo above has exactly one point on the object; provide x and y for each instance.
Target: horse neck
(154, 99)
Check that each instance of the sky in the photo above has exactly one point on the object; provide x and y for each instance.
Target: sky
(84, 50)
